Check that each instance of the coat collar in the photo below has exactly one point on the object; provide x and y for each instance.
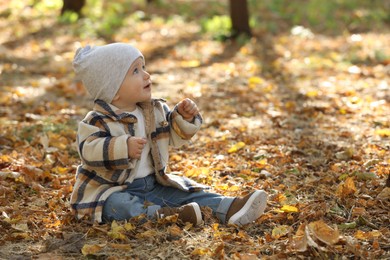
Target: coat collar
(118, 115)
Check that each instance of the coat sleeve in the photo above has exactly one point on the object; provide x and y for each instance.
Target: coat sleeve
(101, 151)
(181, 131)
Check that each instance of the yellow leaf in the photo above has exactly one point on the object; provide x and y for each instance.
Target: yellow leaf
(190, 64)
(367, 235)
(287, 208)
(290, 105)
(91, 249)
(201, 172)
(116, 235)
(221, 187)
(234, 188)
(262, 163)
(324, 233)
(255, 80)
(168, 219)
(215, 226)
(383, 132)
(5, 158)
(360, 235)
(129, 226)
(375, 233)
(117, 231)
(20, 179)
(346, 188)
(60, 170)
(116, 227)
(200, 251)
(313, 93)
(244, 50)
(281, 198)
(280, 231)
(236, 147)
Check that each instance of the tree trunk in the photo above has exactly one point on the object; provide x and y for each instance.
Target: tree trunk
(72, 5)
(239, 15)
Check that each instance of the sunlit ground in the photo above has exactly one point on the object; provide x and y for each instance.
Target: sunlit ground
(300, 110)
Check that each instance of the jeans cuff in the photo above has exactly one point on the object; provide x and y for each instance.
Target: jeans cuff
(223, 208)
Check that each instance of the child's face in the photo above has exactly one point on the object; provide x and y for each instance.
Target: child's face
(136, 87)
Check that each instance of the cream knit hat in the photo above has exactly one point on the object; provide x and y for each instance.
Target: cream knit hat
(102, 69)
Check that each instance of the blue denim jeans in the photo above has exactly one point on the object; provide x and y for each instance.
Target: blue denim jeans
(132, 201)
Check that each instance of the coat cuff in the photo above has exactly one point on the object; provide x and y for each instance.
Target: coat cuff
(183, 128)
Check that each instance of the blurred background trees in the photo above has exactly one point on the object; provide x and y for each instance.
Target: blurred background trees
(72, 6)
(239, 14)
(226, 18)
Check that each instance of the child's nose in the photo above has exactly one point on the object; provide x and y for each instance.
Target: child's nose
(146, 75)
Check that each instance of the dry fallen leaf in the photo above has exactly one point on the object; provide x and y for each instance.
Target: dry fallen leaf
(299, 240)
(321, 231)
(126, 247)
(201, 251)
(384, 194)
(367, 235)
(147, 234)
(117, 231)
(245, 256)
(346, 188)
(92, 249)
(175, 231)
(280, 231)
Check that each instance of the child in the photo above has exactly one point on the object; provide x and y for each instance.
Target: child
(123, 145)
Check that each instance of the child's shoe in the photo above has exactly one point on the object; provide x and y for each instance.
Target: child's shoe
(247, 209)
(187, 213)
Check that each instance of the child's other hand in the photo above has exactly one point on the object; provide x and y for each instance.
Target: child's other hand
(187, 109)
(135, 145)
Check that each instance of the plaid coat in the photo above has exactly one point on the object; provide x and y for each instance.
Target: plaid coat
(102, 145)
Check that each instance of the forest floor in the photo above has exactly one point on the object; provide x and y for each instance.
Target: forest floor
(304, 116)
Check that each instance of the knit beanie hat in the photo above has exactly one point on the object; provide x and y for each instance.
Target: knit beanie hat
(102, 69)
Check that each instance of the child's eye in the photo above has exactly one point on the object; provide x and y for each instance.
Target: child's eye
(143, 67)
(135, 71)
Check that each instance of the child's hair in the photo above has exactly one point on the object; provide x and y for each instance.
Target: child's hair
(102, 69)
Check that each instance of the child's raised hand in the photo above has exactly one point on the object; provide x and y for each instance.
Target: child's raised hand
(135, 145)
(188, 109)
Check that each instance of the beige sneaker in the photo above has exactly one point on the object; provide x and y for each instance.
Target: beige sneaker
(247, 209)
(187, 213)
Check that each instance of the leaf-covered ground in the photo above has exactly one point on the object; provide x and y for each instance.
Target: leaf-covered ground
(304, 116)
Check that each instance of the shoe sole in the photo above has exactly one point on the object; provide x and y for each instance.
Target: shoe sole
(198, 212)
(252, 209)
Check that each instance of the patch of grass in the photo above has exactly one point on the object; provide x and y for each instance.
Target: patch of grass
(31, 131)
(218, 26)
(69, 17)
(321, 16)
